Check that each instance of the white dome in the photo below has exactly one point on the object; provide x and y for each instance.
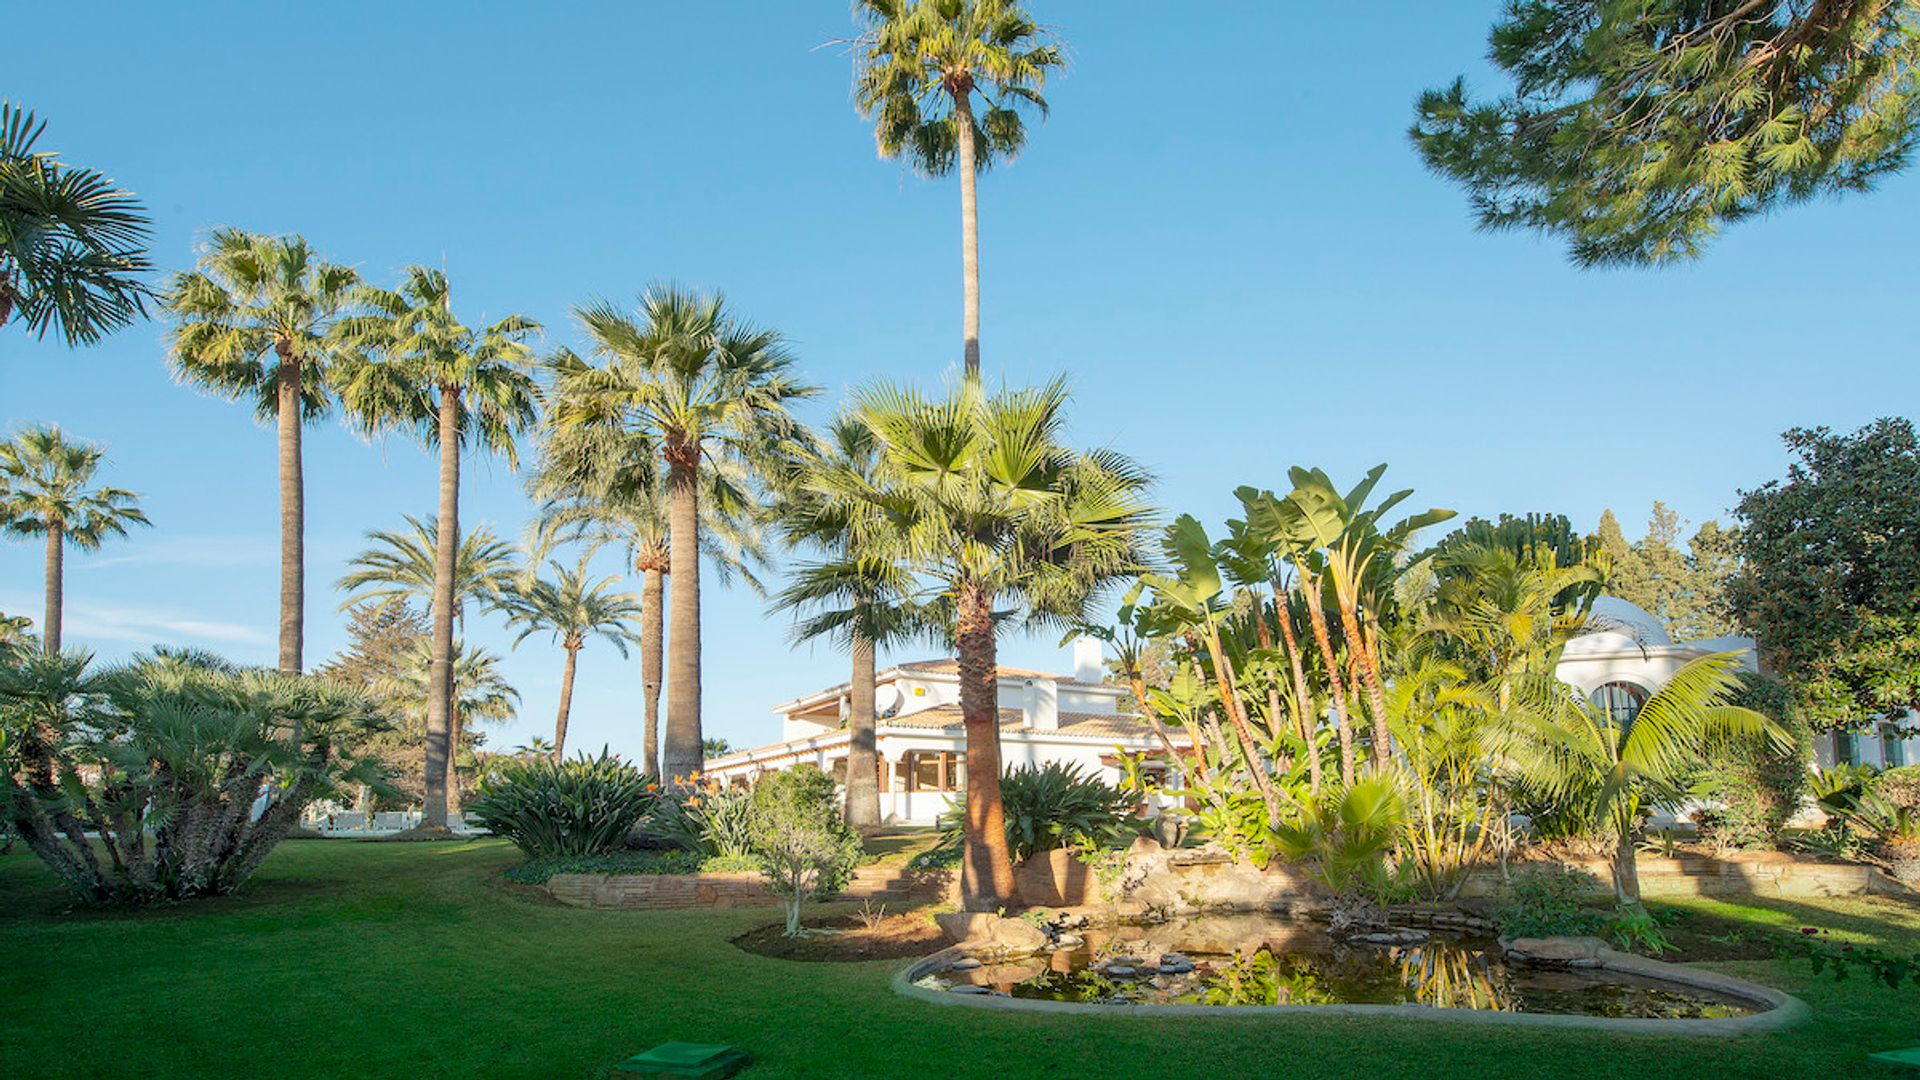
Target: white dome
(1611, 615)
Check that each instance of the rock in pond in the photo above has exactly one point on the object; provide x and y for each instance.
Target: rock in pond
(986, 931)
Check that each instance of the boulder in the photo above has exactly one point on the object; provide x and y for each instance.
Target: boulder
(981, 930)
(1557, 951)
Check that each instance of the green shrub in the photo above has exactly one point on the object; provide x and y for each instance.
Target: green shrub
(173, 776)
(583, 806)
(799, 839)
(709, 819)
(729, 864)
(1051, 806)
(1756, 785)
(1839, 788)
(1899, 787)
(538, 871)
(1547, 901)
(1633, 929)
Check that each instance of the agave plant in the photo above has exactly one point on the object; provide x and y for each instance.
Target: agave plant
(1050, 806)
(582, 806)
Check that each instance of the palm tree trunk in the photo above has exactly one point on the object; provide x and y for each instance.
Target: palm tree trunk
(986, 870)
(1626, 869)
(1236, 715)
(969, 230)
(1303, 701)
(1370, 675)
(293, 512)
(55, 586)
(684, 755)
(456, 732)
(863, 780)
(1317, 615)
(653, 585)
(566, 704)
(440, 669)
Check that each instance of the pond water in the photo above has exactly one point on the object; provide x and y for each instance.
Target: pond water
(1264, 960)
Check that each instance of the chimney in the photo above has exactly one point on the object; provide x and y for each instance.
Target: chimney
(1041, 705)
(1089, 665)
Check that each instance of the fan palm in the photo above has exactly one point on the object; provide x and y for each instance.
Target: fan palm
(44, 491)
(859, 597)
(1612, 768)
(602, 485)
(1506, 616)
(72, 245)
(254, 323)
(453, 386)
(571, 607)
(701, 387)
(919, 65)
(990, 506)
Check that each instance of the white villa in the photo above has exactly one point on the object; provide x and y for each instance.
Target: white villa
(922, 747)
(1077, 718)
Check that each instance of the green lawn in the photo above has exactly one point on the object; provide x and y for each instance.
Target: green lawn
(408, 960)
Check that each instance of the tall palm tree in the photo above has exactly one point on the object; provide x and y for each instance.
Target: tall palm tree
(44, 491)
(602, 485)
(72, 245)
(992, 508)
(859, 596)
(453, 386)
(255, 323)
(572, 607)
(1614, 766)
(918, 66)
(703, 388)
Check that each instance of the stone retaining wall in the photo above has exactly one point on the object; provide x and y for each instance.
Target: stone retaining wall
(1743, 873)
(661, 891)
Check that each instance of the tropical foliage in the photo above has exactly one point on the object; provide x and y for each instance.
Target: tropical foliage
(256, 323)
(706, 391)
(72, 243)
(186, 769)
(559, 809)
(45, 492)
(1049, 806)
(945, 83)
(571, 606)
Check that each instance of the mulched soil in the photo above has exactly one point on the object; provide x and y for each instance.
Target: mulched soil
(846, 939)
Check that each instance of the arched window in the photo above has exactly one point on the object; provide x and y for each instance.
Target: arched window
(1621, 700)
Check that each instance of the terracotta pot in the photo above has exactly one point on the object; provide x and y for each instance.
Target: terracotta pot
(1056, 879)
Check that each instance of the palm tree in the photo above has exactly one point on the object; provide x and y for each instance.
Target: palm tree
(859, 596)
(44, 492)
(72, 245)
(16, 637)
(991, 507)
(603, 485)
(255, 323)
(401, 565)
(571, 607)
(453, 386)
(918, 66)
(1613, 766)
(702, 387)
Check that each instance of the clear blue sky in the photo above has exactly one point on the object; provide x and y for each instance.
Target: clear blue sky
(1221, 235)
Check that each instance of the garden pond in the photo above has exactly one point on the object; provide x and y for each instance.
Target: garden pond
(1269, 960)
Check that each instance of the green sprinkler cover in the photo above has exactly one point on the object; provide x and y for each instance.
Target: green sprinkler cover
(685, 1061)
(1909, 1056)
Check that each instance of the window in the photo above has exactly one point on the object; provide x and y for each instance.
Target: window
(932, 770)
(1621, 700)
(1893, 750)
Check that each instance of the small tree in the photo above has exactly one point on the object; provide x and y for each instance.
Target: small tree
(803, 847)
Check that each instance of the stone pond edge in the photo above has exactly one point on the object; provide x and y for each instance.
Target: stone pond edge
(1784, 1010)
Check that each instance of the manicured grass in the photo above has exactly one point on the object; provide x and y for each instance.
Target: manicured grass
(410, 960)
